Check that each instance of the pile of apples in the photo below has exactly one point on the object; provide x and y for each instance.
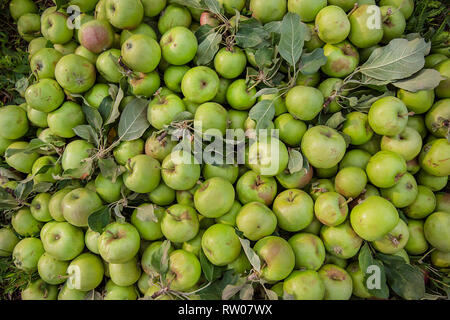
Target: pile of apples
(306, 228)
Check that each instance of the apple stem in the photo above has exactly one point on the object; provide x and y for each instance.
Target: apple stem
(353, 10)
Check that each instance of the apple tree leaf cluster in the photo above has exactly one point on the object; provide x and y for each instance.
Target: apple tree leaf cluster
(115, 174)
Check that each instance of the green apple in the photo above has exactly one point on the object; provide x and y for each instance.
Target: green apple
(107, 67)
(62, 121)
(108, 190)
(228, 172)
(29, 26)
(74, 156)
(236, 119)
(194, 245)
(430, 181)
(256, 221)
(147, 256)
(143, 174)
(18, 8)
(240, 265)
(75, 73)
(443, 202)
(26, 254)
(356, 126)
(423, 205)
(25, 224)
(290, 129)
(212, 118)
(331, 208)
(141, 53)
(180, 223)
(96, 94)
(85, 272)
(405, 6)
(39, 43)
(78, 205)
(435, 157)
(143, 28)
(124, 14)
(13, 122)
(437, 230)
(159, 146)
(404, 193)
(173, 76)
(178, 45)
(54, 205)
(341, 241)
(37, 118)
(346, 5)
(20, 161)
(268, 157)
(394, 23)
(45, 95)
(51, 270)
(125, 274)
(8, 241)
(230, 63)
(350, 182)
(143, 218)
(277, 258)
(408, 143)
(306, 9)
(163, 110)
(220, 244)
(417, 243)
(153, 8)
(184, 270)
(231, 5)
(338, 283)
(66, 48)
(39, 207)
(359, 286)
(323, 146)
(39, 290)
(127, 150)
(179, 170)
(374, 218)
(119, 242)
(96, 36)
(364, 31)
(385, 168)
(440, 259)
(418, 102)
(388, 116)
(43, 62)
(268, 10)
(311, 102)
(294, 210)
(116, 292)
(91, 240)
(304, 285)
(55, 28)
(394, 240)
(217, 190)
(173, 16)
(436, 118)
(239, 96)
(332, 24)
(63, 241)
(254, 187)
(342, 59)
(200, 84)
(309, 251)
(355, 158)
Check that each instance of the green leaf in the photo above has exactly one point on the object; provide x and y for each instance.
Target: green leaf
(210, 271)
(263, 112)
(5, 173)
(93, 117)
(110, 169)
(251, 33)
(213, 6)
(310, 63)
(246, 292)
(208, 48)
(426, 79)
(367, 261)
(23, 189)
(232, 289)
(105, 108)
(202, 32)
(263, 57)
(273, 27)
(33, 146)
(335, 120)
(293, 35)
(197, 4)
(21, 85)
(146, 213)
(400, 59)
(133, 121)
(115, 113)
(295, 163)
(87, 133)
(254, 259)
(160, 258)
(98, 220)
(182, 116)
(405, 279)
(214, 291)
